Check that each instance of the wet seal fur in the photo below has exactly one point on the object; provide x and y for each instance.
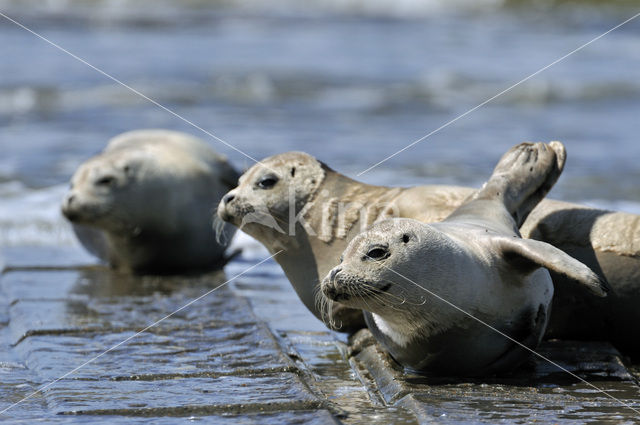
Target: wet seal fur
(144, 204)
(408, 275)
(330, 204)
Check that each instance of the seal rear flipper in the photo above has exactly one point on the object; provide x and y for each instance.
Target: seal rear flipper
(528, 255)
(523, 176)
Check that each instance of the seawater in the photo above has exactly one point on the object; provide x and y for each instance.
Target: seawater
(348, 81)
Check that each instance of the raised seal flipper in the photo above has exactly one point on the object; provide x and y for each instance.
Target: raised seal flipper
(528, 255)
(523, 176)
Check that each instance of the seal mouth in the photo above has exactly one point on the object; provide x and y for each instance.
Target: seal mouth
(385, 288)
(225, 216)
(331, 292)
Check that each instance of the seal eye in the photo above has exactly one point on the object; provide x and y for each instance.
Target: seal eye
(267, 182)
(105, 181)
(378, 253)
(405, 238)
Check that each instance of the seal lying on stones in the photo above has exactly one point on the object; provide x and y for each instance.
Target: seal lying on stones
(328, 209)
(144, 204)
(419, 283)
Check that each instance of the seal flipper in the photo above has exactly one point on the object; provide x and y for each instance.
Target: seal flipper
(522, 177)
(528, 255)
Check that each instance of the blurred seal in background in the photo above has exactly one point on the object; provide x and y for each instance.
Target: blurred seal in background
(145, 204)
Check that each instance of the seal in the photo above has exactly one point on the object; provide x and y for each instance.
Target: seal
(292, 201)
(419, 283)
(144, 204)
(295, 203)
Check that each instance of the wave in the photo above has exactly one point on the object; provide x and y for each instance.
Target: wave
(442, 91)
(169, 13)
(32, 216)
(174, 12)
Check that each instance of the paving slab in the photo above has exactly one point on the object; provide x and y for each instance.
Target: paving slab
(207, 350)
(249, 352)
(182, 396)
(34, 257)
(536, 391)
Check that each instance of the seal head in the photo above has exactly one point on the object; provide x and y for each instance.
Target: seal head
(271, 194)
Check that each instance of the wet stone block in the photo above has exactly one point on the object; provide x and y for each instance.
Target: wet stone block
(16, 383)
(44, 256)
(39, 285)
(182, 397)
(54, 317)
(488, 403)
(141, 311)
(294, 417)
(276, 302)
(536, 391)
(99, 299)
(159, 353)
(323, 357)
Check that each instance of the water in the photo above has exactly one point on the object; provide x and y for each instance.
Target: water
(348, 81)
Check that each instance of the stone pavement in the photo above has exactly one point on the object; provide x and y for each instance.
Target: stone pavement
(247, 353)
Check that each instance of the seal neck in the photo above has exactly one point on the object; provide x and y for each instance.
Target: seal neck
(342, 206)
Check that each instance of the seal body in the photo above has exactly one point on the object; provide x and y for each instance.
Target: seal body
(144, 204)
(459, 264)
(467, 296)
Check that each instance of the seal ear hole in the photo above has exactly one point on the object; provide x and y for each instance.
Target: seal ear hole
(405, 238)
(293, 171)
(128, 170)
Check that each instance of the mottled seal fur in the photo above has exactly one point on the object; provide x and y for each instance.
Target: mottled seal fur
(144, 204)
(416, 281)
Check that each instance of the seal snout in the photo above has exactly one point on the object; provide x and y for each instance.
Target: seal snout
(223, 211)
(334, 273)
(230, 196)
(330, 286)
(69, 207)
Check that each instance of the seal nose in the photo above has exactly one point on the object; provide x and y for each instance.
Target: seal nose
(333, 274)
(67, 206)
(228, 198)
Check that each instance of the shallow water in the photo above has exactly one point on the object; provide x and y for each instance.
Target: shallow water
(348, 81)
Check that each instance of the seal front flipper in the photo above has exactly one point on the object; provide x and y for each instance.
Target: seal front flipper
(527, 255)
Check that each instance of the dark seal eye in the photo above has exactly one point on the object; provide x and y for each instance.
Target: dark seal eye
(105, 181)
(377, 253)
(405, 238)
(267, 182)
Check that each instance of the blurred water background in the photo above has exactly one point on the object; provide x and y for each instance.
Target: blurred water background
(349, 81)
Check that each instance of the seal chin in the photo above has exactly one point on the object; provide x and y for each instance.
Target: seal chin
(72, 216)
(225, 215)
(76, 214)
